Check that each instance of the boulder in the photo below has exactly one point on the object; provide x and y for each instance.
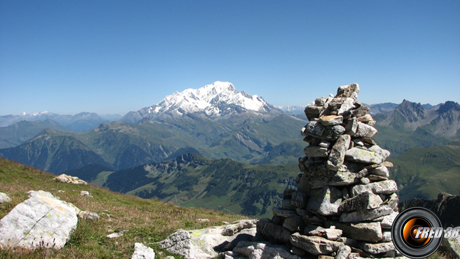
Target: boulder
(349, 91)
(313, 129)
(142, 252)
(343, 252)
(363, 155)
(42, 221)
(379, 248)
(272, 232)
(365, 131)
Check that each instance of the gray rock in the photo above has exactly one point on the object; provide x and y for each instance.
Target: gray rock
(142, 252)
(376, 178)
(299, 199)
(324, 143)
(69, 179)
(294, 223)
(363, 155)
(337, 154)
(313, 111)
(273, 232)
(321, 101)
(4, 198)
(202, 243)
(365, 215)
(352, 127)
(314, 245)
(348, 91)
(330, 120)
(237, 226)
(387, 221)
(42, 221)
(365, 180)
(325, 201)
(117, 234)
(286, 204)
(393, 202)
(318, 176)
(383, 187)
(263, 250)
(362, 201)
(344, 178)
(332, 133)
(379, 248)
(360, 111)
(365, 131)
(386, 236)
(370, 232)
(381, 171)
(347, 105)
(312, 151)
(379, 151)
(314, 129)
(343, 252)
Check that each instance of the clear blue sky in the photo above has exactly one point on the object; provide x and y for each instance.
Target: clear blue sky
(117, 56)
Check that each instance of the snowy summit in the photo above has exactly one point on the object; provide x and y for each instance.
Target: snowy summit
(214, 100)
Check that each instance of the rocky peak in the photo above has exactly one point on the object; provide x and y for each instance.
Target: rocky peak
(411, 111)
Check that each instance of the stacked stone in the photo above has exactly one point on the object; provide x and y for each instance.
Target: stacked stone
(345, 204)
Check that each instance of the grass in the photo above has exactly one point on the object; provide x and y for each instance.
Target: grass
(147, 220)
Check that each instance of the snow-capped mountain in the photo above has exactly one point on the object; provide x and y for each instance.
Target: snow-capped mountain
(214, 100)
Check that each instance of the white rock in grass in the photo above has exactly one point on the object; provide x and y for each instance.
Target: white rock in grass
(142, 252)
(42, 221)
(4, 198)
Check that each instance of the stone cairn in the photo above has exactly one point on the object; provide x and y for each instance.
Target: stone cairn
(345, 204)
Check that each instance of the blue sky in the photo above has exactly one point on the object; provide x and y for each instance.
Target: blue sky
(117, 56)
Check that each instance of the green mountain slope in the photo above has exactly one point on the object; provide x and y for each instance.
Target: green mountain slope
(18, 133)
(195, 181)
(424, 172)
(122, 145)
(146, 220)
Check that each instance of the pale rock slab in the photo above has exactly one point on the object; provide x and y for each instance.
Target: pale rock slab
(69, 179)
(365, 215)
(379, 248)
(337, 154)
(362, 201)
(40, 221)
(370, 232)
(142, 252)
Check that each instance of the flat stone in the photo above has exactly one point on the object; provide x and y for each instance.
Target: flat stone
(142, 252)
(42, 221)
(381, 171)
(365, 215)
(370, 232)
(69, 179)
(318, 176)
(393, 202)
(337, 154)
(382, 187)
(362, 201)
(312, 151)
(386, 236)
(365, 131)
(324, 143)
(286, 204)
(330, 120)
(344, 178)
(325, 201)
(362, 155)
(360, 111)
(321, 101)
(377, 178)
(299, 199)
(379, 248)
(237, 226)
(314, 245)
